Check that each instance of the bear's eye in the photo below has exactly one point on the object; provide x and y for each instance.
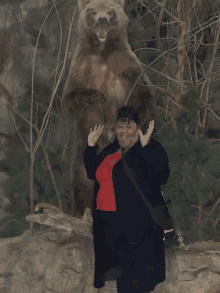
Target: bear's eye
(109, 13)
(94, 13)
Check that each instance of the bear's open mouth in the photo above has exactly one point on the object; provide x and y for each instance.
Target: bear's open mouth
(101, 33)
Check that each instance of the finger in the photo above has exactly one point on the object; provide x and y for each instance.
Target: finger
(151, 125)
(99, 128)
(98, 134)
(90, 130)
(95, 127)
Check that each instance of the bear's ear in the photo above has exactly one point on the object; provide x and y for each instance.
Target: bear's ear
(121, 2)
(82, 4)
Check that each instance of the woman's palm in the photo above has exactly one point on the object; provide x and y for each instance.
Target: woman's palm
(94, 135)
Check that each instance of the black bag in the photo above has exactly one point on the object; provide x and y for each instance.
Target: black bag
(160, 214)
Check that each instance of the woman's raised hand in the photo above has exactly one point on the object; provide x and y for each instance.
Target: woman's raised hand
(94, 135)
(145, 139)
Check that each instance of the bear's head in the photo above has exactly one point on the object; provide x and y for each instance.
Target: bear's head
(102, 20)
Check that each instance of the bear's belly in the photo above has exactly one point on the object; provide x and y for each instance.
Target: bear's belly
(110, 85)
(107, 82)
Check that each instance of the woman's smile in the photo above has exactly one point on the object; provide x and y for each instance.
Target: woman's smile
(123, 138)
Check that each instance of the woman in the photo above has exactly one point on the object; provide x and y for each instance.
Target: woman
(125, 236)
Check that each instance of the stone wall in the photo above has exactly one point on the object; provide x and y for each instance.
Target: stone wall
(55, 261)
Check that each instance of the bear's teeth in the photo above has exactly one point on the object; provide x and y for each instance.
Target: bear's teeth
(102, 38)
(101, 33)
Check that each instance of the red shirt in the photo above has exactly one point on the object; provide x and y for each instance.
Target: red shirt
(106, 196)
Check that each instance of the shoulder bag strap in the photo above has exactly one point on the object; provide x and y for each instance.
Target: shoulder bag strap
(160, 215)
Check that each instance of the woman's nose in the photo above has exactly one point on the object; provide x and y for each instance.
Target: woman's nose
(123, 131)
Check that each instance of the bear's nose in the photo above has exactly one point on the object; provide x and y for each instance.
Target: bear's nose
(102, 20)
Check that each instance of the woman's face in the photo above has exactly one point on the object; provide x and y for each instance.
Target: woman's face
(126, 133)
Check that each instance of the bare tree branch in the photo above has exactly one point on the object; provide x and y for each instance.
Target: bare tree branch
(195, 67)
(167, 11)
(167, 76)
(44, 123)
(26, 147)
(54, 3)
(168, 51)
(208, 79)
(51, 172)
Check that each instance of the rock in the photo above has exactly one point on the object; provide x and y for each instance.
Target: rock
(61, 259)
(204, 245)
(53, 217)
(67, 224)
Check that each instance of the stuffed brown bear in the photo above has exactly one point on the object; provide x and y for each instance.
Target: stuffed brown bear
(101, 75)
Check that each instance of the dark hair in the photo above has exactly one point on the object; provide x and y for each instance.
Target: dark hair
(128, 113)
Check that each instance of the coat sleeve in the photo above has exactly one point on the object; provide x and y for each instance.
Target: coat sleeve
(157, 161)
(91, 161)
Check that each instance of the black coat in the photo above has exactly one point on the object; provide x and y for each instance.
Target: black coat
(132, 220)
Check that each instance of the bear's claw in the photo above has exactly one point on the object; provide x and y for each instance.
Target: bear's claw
(82, 97)
(93, 96)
